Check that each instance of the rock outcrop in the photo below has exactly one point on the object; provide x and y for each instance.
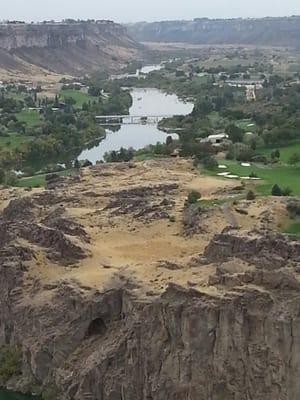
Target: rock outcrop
(264, 31)
(72, 48)
(225, 326)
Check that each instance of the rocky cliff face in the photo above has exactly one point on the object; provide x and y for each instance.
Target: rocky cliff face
(220, 324)
(68, 48)
(266, 31)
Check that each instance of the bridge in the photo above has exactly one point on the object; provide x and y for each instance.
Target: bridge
(109, 120)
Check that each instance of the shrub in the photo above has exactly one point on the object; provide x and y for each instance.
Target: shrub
(287, 191)
(293, 207)
(50, 393)
(294, 159)
(276, 191)
(193, 197)
(210, 162)
(252, 175)
(250, 195)
(2, 175)
(10, 362)
(11, 179)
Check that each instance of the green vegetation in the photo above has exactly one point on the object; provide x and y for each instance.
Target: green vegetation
(62, 126)
(31, 118)
(293, 229)
(247, 125)
(193, 197)
(270, 175)
(13, 141)
(78, 96)
(10, 362)
(50, 393)
(39, 180)
(286, 151)
(213, 202)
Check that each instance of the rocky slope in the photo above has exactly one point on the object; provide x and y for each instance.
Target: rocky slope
(265, 31)
(65, 48)
(110, 292)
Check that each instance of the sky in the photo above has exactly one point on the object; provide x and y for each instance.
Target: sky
(142, 10)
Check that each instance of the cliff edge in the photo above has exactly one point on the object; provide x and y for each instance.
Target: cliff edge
(113, 287)
(74, 48)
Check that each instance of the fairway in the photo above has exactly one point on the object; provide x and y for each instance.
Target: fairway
(78, 96)
(284, 176)
(293, 229)
(13, 141)
(285, 151)
(246, 124)
(40, 180)
(31, 118)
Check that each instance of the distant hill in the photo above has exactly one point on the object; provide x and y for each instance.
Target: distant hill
(283, 31)
(71, 48)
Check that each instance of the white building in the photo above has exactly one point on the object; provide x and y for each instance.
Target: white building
(216, 140)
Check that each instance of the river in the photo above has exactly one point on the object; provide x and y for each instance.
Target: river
(145, 102)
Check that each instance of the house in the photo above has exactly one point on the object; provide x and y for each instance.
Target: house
(218, 140)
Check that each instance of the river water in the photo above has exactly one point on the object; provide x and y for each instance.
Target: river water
(145, 102)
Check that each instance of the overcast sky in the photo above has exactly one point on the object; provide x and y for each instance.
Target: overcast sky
(144, 10)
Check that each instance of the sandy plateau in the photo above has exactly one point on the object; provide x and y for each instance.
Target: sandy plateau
(142, 233)
(114, 287)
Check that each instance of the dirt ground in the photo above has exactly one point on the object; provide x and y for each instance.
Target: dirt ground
(147, 250)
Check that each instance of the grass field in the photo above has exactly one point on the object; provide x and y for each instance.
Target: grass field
(77, 95)
(246, 124)
(32, 118)
(285, 152)
(39, 180)
(13, 141)
(293, 229)
(284, 176)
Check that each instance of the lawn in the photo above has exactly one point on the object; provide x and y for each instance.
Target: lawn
(13, 141)
(33, 181)
(39, 180)
(293, 229)
(77, 95)
(285, 152)
(32, 118)
(244, 124)
(284, 176)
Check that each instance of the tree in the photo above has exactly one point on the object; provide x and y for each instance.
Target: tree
(76, 164)
(210, 162)
(2, 175)
(11, 179)
(276, 191)
(193, 197)
(169, 140)
(275, 154)
(235, 133)
(294, 159)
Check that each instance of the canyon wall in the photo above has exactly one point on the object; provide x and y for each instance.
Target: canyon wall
(73, 48)
(265, 31)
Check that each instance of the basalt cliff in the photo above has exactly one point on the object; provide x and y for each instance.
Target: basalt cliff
(283, 31)
(65, 48)
(113, 287)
